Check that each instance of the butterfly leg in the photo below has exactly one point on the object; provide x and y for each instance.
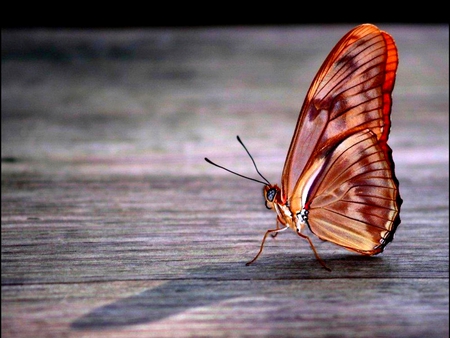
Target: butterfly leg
(274, 234)
(272, 231)
(314, 250)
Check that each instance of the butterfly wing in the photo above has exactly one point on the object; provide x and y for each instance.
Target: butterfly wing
(354, 200)
(351, 92)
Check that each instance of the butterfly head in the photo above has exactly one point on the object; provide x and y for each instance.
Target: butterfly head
(271, 195)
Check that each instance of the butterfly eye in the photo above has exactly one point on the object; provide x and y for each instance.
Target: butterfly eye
(271, 194)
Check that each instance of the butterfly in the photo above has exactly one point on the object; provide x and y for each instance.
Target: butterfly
(338, 179)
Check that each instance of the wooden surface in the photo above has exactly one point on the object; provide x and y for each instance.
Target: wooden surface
(114, 226)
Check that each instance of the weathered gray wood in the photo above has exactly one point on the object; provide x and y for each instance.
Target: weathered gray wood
(113, 225)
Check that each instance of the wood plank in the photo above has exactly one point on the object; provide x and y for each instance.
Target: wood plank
(360, 307)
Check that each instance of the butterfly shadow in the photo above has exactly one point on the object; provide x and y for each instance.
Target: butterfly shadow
(198, 287)
(212, 284)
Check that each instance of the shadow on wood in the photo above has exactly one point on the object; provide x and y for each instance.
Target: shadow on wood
(198, 289)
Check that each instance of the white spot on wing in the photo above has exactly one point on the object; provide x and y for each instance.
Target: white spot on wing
(308, 185)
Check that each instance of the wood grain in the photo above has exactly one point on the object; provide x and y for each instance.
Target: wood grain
(114, 226)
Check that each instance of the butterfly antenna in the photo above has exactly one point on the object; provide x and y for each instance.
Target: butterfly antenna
(254, 164)
(233, 172)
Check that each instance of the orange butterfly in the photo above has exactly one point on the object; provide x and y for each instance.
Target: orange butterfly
(338, 179)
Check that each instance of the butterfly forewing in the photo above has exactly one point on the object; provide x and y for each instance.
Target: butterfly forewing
(351, 92)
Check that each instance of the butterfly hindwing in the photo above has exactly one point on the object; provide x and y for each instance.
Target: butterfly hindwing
(353, 201)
